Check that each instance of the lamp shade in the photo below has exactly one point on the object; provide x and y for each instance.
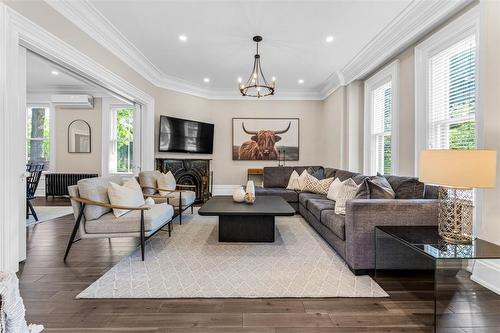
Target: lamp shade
(468, 168)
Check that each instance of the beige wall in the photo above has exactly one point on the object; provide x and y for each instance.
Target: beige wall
(221, 112)
(78, 162)
(333, 122)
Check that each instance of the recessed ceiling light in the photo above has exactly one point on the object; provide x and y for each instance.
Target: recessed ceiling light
(301, 81)
(273, 78)
(329, 39)
(206, 80)
(54, 72)
(183, 38)
(240, 80)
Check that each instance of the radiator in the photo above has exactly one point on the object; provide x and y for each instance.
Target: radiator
(56, 184)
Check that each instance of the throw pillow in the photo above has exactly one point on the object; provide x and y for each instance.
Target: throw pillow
(318, 173)
(166, 181)
(129, 194)
(347, 192)
(302, 178)
(406, 187)
(314, 185)
(376, 187)
(333, 190)
(293, 182)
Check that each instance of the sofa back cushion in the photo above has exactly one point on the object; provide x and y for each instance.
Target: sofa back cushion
(406, 187)
(96, 189)
(330, 172)
(148, 179)
(279, 176)
(344, 174)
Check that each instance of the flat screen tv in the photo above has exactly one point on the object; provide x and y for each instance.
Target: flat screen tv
(185, 136)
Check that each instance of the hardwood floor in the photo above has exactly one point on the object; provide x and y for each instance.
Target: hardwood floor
(49, 287)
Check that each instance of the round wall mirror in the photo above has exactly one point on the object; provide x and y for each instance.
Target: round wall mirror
(79, 138)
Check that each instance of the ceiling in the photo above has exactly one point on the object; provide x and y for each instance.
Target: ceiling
(366, 33)
(45, 77)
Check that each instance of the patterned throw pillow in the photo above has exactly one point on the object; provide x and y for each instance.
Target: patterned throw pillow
(314, 185)
(347, 192)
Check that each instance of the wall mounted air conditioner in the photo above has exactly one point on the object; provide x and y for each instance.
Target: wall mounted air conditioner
(73, 101)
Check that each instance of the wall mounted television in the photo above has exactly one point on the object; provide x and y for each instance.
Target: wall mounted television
(185, 136)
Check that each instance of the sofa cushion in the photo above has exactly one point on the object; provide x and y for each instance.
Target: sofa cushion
(288, 195)
(304, 197)
(316, 206)
(279, 176)
(330, 172)
(376, 187)
(131, 222)
(188, 198)
(344, 174)
(148, 179)
(359, 179)
(334, 222)
(96, 189)
(406, 187)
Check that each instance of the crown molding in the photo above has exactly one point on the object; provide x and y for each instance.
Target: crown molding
(416, 20)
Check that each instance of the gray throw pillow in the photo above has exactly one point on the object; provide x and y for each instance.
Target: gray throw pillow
(376, 187)
(316, 173)
(406, 187)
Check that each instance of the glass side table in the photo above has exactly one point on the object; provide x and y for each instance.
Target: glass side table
(420, 249)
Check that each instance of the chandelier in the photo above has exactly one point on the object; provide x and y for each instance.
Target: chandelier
(256, 85)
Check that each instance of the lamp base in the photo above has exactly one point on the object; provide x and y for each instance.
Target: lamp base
(456, 209)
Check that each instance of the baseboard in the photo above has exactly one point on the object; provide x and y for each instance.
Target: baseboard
(487, 274)
(224, 189)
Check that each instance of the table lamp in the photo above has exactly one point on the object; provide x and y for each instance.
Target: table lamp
(457, 172)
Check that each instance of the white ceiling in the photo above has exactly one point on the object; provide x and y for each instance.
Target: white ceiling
(219, 44)
(145, 35)
(41, 80)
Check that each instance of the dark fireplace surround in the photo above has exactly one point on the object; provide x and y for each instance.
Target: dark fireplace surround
(189, 172)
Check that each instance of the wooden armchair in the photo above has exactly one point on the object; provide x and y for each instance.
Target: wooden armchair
(95, 219)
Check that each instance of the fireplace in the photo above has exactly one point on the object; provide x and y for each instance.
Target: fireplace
(189, 172)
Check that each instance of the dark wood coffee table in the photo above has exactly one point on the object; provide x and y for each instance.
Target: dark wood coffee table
(242, 222)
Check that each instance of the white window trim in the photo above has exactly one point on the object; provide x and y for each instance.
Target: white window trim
(52, 130)
(108, 104)
(452, 33)
(386, 74)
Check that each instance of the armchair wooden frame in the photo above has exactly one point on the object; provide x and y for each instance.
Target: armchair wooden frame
(143, 236)
(179, 189)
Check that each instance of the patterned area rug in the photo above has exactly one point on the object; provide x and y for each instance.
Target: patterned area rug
(193, 264)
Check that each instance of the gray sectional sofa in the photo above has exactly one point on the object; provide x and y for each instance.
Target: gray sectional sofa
(352, 235)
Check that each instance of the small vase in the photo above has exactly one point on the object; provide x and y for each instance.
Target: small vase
(239, 194)
(250, 188)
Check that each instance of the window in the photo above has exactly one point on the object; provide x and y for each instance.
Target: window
(380, 112)
(122, 140)
(452, 97)
(38, 135)
(446, 87)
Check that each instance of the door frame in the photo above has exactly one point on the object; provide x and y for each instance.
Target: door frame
(17, 31)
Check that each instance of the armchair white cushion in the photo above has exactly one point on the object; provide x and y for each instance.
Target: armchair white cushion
(166, 181)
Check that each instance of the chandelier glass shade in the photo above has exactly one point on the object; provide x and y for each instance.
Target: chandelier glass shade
(257, 85)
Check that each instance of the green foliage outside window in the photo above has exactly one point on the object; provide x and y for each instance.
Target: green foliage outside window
(124, 139)
(38, 136)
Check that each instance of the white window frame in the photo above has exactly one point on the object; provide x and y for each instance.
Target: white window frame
(108, 105)
(386, 74)
(460, 28)
(52, 130)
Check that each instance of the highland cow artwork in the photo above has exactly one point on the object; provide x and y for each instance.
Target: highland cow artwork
(266, 139)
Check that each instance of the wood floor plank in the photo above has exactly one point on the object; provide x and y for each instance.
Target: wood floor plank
(287, 320)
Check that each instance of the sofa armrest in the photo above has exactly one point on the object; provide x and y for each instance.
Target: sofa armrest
(363, 215)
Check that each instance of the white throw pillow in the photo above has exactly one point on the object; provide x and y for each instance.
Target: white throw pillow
(347, 192)
(293, 182)
(333, 190)
(166, 181)
(314, 185)
(302, 179)
(129, 195)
